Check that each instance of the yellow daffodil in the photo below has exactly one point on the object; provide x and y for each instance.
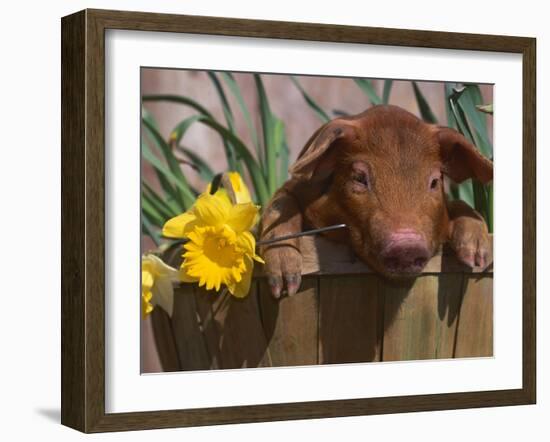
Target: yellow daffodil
(220, 248)
(238, 191)
(242, 195)
(156, 284)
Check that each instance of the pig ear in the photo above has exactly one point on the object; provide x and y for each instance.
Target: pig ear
(317, 158)
(461, 159)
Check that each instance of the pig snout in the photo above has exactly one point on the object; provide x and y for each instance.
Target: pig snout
(405, 252)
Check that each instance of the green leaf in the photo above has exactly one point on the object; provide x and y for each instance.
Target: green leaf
(463, 125)
(233, 164)
(148, 229)
(479, 196)
(471, 123)
(235, 90)
(453, 191)
(425, 109)
(158, 202)
(458, 114)
(387, 91)
(268, 127)
(319, 112)
(181, 128)
(278, 135)
(252, 166)
(179, 100)
(147, 116)
(225, 104)
(154, 216)
(451, 121)
(368, 88)
(279, 143)
(187, 196)
(202, 167)
(229, 149)
(168, 175)
(162, 213)
(468, 101)
(255, 171)
(466, 193)
(171, 193)
(283, 164)
(481, 200)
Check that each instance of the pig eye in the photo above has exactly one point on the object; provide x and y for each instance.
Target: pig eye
(434, 183)
(361, 178)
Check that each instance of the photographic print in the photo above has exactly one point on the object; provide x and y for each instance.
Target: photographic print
(292, 220)
(288, 221)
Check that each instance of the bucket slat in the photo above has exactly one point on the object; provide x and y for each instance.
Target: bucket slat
(475, 326)
(350, 321)
(204, 300)
(241, 341)
(188, 334)
(420, 319)
(291, 324)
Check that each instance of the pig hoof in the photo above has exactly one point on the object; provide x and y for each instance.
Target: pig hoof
(283, 265)
(292, 281)
(470, 240)
(275, 283)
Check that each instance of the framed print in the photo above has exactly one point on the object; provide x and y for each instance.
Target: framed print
(266, 220)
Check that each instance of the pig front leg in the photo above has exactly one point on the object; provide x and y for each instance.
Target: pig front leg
(468, 235)
(283, 259)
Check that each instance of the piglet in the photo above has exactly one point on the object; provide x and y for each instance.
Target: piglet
(381, 173)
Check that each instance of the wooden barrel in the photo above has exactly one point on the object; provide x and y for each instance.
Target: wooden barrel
(343, 313)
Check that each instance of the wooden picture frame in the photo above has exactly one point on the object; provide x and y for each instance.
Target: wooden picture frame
(83, 220)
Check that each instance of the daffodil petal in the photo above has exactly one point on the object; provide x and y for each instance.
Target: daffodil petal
(202, 280)
(243, 217)
(156, 284)
(147, 294)
(160, 268)
(237, 274)
(247, 243)
(185, 277)
(163, 295)
(196, 237)
(192, 270)
(211, 210)
(242, 195)
(146, 306)
(229, 234)
(218, 282)
(179, 226)
(146, 264)
(147, 279)
(241, 288)
(222, 194)
(146, 309)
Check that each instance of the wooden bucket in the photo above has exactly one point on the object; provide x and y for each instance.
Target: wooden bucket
(343, 313)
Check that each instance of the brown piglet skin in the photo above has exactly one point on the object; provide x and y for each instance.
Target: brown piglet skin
(381, 173)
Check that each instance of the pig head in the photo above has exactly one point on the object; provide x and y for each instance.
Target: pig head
(380, 173)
